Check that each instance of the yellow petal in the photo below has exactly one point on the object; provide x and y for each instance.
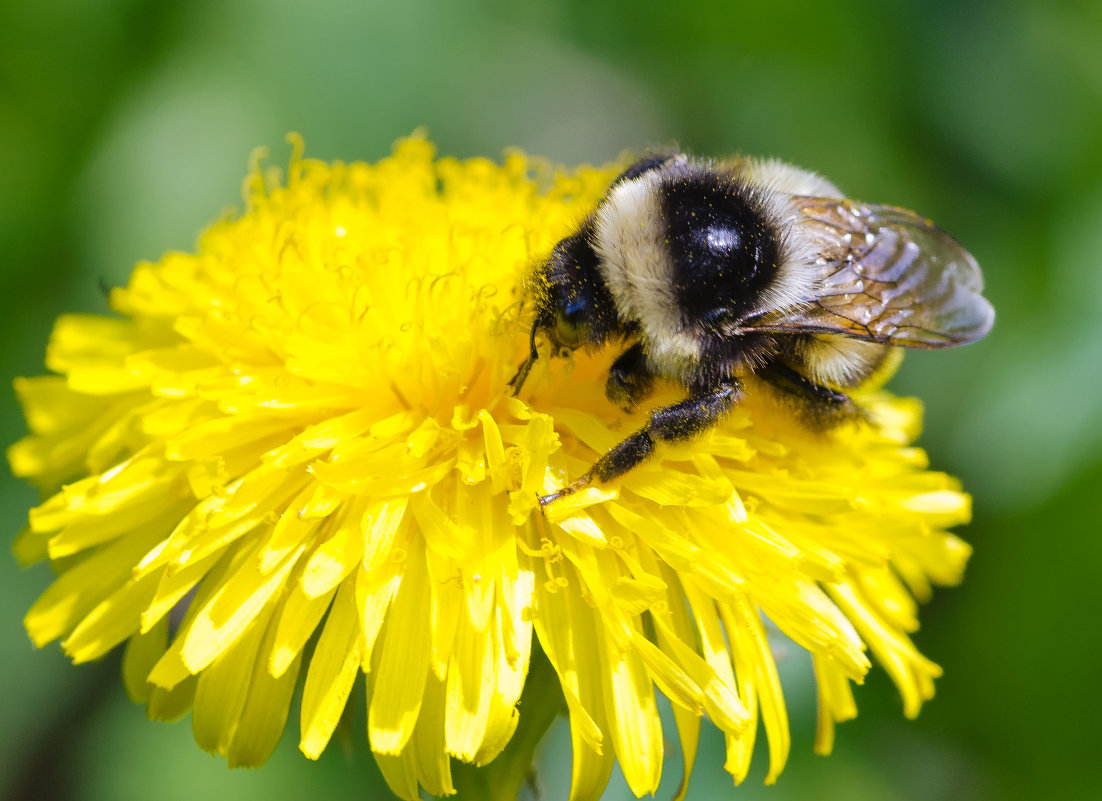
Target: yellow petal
(676, 625)
(443, 535)
(565, 627)
(632, 715)
(470, 689)
(30, 546)
(76, 336)
(340, 554)
(260, 725)
(447, 609)
(230, 611)
(333, 668)
(427, 748)
(495, 451)
(142, 653)
(51, 407)
(291, 530)
(474, 513)
(115, 619)
(140, 479)
(382, 522)
(754, 660)
(172, 587)
(172, 704)
(81, 588)
(263, 489)
(375, 590)
(319, 438)
(502, 717)
(400, 773)
(170, 669)
(224, 687)
(403, 663)
(216, 436)
(912, 673)
(835, 701)
(298, 619)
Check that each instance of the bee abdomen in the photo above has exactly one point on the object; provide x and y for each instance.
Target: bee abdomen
(838, 361)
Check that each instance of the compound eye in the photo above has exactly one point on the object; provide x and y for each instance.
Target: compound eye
(570, 323)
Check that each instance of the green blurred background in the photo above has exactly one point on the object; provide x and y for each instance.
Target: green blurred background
(125, 126)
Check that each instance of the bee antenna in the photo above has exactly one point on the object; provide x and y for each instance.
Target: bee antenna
(517, 381)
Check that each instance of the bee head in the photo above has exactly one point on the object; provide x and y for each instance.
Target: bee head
(574, 308)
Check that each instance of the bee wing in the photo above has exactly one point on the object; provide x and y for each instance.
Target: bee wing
(887, 275)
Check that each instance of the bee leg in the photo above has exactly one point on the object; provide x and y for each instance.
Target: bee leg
(675, 423)
(818, 405)
(785, 378)
(629, 379)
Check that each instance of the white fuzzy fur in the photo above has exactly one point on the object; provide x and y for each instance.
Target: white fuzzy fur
(774, 183)
(630, 240)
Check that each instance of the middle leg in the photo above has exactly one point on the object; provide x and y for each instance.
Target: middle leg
(629, 379)
(675, 423)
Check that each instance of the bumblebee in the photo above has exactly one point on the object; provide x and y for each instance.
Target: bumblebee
(713, 272)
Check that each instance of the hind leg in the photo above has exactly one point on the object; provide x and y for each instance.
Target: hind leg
(817, 405)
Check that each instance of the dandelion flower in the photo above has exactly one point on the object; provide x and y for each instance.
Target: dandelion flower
(293, 455)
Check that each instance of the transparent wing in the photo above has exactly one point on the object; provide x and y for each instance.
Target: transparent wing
(888, 275)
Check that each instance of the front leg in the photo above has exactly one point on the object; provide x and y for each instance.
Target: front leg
(675, 423)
